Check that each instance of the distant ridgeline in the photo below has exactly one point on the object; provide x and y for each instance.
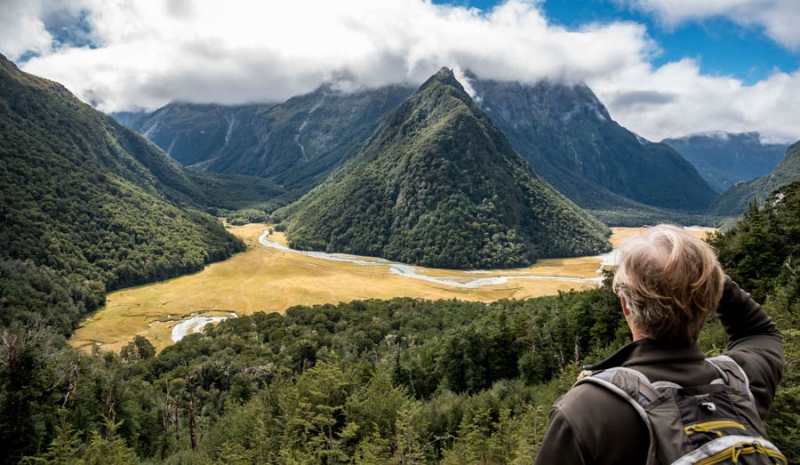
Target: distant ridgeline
(87, 205)
(723, 159)
(438, 184)
(737, 199)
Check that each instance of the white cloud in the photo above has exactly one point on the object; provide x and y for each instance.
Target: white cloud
(778, 18)
(237, 51)
(676, 99)
(23, 29)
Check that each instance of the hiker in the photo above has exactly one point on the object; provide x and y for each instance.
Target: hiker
(668, 283)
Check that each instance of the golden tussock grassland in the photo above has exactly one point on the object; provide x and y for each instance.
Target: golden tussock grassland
(269, 280)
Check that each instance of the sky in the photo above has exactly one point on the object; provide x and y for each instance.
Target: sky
(664, 68)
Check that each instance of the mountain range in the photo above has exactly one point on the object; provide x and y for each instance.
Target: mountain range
(723, 158)
(439, 185)
(569, 138)
(563, 131)
(294, 144)
(737, 199)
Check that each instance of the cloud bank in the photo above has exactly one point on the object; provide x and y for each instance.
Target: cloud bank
(778, 18)
(127, 54)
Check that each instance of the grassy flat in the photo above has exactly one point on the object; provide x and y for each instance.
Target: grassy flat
(265, 279)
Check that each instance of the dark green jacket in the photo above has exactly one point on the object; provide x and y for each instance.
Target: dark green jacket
(590, 425)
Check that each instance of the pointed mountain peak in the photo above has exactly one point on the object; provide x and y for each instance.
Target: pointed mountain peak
(439, 185)
(443, 76)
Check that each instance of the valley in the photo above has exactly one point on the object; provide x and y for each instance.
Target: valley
(272, 279)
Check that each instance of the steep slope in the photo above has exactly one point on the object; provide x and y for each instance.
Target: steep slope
(439, 185)
(569, 138)
(295, 144)
(724, 159)
(91, 199)
(736, 199)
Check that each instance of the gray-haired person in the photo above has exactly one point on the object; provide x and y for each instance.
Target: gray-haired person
(668, 283)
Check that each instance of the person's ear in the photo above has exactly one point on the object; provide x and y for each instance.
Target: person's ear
(624, 303)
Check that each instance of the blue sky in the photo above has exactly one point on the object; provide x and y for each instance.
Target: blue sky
(721, 46)
(663, 68)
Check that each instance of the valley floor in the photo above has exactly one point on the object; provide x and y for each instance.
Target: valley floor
(270, 277)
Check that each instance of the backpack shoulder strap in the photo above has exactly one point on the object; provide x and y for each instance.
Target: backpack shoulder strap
(633, 387)
(731, 374)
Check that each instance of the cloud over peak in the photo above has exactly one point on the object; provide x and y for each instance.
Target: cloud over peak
(131, 54)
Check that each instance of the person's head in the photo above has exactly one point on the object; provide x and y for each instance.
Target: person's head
(669, 283)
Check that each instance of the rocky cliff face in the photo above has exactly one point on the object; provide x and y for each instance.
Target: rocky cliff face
(295, 144)
(568, 137)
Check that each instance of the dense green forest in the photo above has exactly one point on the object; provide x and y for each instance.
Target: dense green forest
(439, 185)
(366, 382)
(88, 206)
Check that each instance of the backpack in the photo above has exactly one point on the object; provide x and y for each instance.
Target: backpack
(708, 424)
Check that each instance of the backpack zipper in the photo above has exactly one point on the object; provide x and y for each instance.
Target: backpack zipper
(712, 426)
(743, 448)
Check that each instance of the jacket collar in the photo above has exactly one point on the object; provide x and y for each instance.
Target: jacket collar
(650, 352)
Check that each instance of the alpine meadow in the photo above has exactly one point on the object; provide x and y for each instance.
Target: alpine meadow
(318, 234)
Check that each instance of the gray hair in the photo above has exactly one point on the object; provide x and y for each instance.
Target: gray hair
(671, 282)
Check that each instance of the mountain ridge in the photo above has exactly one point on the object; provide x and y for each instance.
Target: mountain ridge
(568, 136)
(438, 184)
(92, 201)
(738, 198)
(724, 159)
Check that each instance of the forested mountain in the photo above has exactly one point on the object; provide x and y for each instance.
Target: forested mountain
(295, 144)
(569, 138)
(87, 205)
(724, 159)
(736, 199)
(439, 185)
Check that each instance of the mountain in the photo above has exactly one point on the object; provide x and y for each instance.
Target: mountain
(724, 159)
(569, 138)
(87, 205)
(438, 184)
(563, 131)
(295, 144)
(736, 199)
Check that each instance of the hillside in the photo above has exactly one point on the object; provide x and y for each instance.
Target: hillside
(439, 185)
(294, 144)
(736, 199)
(92, 201)
(569, 138)
(724, 159)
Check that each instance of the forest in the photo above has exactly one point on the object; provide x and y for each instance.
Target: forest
(364, 382)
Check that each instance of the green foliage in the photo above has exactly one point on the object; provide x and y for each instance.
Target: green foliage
(32, 296)
(90, 204)
(761, 253)
(764, 246)
(399, 381)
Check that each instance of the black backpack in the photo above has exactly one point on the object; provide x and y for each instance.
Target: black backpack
(710, 424)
